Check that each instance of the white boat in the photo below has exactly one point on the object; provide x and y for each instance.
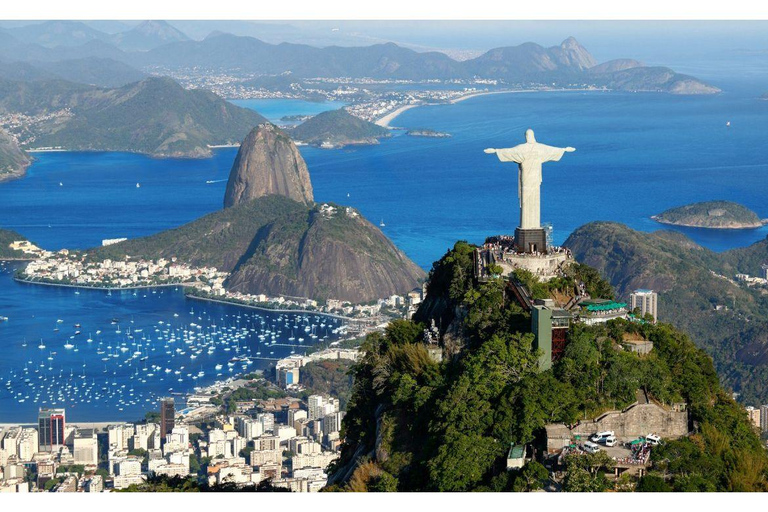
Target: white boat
(138, 185)
(381, 224)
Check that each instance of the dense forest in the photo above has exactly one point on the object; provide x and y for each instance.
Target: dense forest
(418, 424)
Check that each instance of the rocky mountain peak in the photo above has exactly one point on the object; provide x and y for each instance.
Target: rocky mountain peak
(268, 163)
(573, 54)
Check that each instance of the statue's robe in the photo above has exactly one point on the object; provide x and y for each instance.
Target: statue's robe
(529, 157)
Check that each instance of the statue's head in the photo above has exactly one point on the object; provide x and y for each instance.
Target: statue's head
(529, 136)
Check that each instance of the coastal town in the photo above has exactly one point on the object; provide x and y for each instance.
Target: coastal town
(242, 432)
(376, 100)
(76, 269)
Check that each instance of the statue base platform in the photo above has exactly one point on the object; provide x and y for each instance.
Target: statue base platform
(531, 240)
(503, 251)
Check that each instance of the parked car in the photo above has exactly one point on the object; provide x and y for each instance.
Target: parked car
(610, 441)
(591, 447)
(601, 436)
(653, 439)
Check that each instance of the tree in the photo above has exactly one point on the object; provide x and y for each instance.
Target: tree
(652, 483)
(401, 332)
(383, 483)
(532, 477)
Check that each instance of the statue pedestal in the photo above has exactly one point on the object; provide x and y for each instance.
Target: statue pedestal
(531, 240)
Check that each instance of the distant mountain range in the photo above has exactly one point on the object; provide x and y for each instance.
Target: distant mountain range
(155, 116)
(697, 293)
(98, 71)
(159, 44)
(52, 34)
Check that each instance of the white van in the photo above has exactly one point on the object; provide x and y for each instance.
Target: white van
(601, 436)
(653, 439)
(610, 441)
(591, 447)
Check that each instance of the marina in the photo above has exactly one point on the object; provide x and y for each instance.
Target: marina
(113, 354)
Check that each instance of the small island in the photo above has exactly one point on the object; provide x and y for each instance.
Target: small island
(712, 215)
(336, 129)
(424, 132)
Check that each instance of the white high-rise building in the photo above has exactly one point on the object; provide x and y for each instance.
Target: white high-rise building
(320, 406)
(267, 420)
(86, 448)
(249, 428)
(646, 300)
(119, 435)
(28, 444)
(178, 437)
(332, 422)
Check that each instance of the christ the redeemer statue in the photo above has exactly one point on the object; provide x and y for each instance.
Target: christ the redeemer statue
(529, 157)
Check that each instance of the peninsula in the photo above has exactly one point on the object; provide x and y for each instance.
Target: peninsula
(13, 160)
(155, 116)
(336, 129)
(711, 214)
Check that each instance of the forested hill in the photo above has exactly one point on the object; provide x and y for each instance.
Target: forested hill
(414, 424)
(338, 128)
(281, 247)
(155, 116)
(697, 293)
(7, 237)
(711, 214)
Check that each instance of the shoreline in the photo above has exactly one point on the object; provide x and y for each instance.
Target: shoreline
(100, 288)
(725, 228)
(274, 310)
(388, 118)
(385, 120)
(191, 296)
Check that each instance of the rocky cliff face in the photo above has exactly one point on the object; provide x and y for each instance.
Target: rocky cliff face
(329, 253)
(13, 161)
(268, 163)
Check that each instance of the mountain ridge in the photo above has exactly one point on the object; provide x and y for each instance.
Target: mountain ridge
(155, 116)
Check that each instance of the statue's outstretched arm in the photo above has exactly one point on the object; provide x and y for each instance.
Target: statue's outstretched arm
(489, 150)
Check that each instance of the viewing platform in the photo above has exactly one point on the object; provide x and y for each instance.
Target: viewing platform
(502, 251)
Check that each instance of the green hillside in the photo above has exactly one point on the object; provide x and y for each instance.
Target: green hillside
(277, 246)
(691, 281)
(414, 424)
(338, 128)
(155, 116)
(6, 238)
(711, 214)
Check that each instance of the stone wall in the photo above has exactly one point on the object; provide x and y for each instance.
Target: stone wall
(638, 420)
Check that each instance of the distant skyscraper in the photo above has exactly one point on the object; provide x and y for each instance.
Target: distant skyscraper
(764, 418)
(645, 300)
(764, 270)
(50, 426)
(167, 416)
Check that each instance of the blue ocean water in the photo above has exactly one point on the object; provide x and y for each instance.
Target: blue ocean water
(637, 154)
(275, 109)
(132, 348)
